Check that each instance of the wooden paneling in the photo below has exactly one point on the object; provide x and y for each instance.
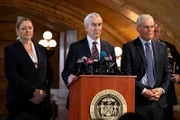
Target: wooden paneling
(2, 68)
(3, 84)
(4, 43)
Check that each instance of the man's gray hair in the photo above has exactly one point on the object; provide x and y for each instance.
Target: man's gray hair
(156, 24)
(87, 19)
(142, 17)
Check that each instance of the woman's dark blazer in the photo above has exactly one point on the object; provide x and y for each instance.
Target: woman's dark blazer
(23, 78)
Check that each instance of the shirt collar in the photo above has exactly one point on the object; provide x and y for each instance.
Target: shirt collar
(90, 40)
(144, 41)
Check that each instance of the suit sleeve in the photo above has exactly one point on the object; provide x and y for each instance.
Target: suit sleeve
(70, 64)
(116, 70)
(167, 72)
(13, 77)
(126, 66)
(126, 60)
(176, 59)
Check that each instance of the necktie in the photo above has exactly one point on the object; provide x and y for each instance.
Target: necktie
(95, 51)
(149, 67)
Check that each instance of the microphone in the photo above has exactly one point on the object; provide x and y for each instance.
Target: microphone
(89, 66)
(104, 63)
(102, 55)
(95, 65)
(113, 68)
(111, 64)
(80, 63)
(81, 60)
(89, 61)
(107, 65)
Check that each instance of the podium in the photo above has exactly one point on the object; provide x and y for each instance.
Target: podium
(87, 90)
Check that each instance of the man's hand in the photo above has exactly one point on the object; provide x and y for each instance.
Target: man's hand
(175, 78)
(157, 93)
(70, 78)
(149, 94)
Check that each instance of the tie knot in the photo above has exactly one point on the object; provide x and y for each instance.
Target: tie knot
(148, 44)
(94, 43)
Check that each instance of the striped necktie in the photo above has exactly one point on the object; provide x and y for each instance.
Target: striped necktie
(95, 51)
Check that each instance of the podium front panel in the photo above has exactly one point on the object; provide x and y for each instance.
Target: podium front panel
(84, 89)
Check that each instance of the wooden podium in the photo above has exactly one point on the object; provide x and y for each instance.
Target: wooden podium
(86, 87)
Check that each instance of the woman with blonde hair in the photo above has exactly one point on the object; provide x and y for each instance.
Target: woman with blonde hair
(29, 74)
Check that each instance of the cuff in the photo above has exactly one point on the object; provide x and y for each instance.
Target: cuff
(162, 90)
(143, 91)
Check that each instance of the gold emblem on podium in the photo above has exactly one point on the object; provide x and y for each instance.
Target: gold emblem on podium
(107, 105)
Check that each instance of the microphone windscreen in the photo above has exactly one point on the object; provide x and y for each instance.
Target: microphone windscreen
(107, 59)
(96, 60)
(84, 58)
(89, 61)
(80, 61)
(110, 57)
(102, 54)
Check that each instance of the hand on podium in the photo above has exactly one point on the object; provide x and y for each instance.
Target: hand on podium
(70, 78)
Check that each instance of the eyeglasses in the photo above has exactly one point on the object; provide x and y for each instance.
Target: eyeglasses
(155, 31)
(147, 27)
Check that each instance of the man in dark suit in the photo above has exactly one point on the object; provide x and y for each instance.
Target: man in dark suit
(173, 56)
(84, 48)
(147, 59)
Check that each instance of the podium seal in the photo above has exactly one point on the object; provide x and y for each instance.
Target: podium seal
(108, 105)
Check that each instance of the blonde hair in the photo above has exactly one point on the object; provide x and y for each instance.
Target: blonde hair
(20, 19)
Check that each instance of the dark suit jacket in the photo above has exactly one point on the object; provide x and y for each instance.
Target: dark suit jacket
(134, 63)
(79, 49)
(23, 77)
(171, 94)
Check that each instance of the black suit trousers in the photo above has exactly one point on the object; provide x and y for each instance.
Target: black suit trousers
(151, 111)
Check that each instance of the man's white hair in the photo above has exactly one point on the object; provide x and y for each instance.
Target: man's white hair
(142, 17)
(87, 19)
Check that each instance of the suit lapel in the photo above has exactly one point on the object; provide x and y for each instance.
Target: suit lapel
(86, 50)
(102, 45)
(156, 52)
(38, 55)
(25, 55)
(140, 49)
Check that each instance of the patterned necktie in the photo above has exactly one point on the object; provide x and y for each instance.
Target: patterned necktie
(95, 51)
(149, 67)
